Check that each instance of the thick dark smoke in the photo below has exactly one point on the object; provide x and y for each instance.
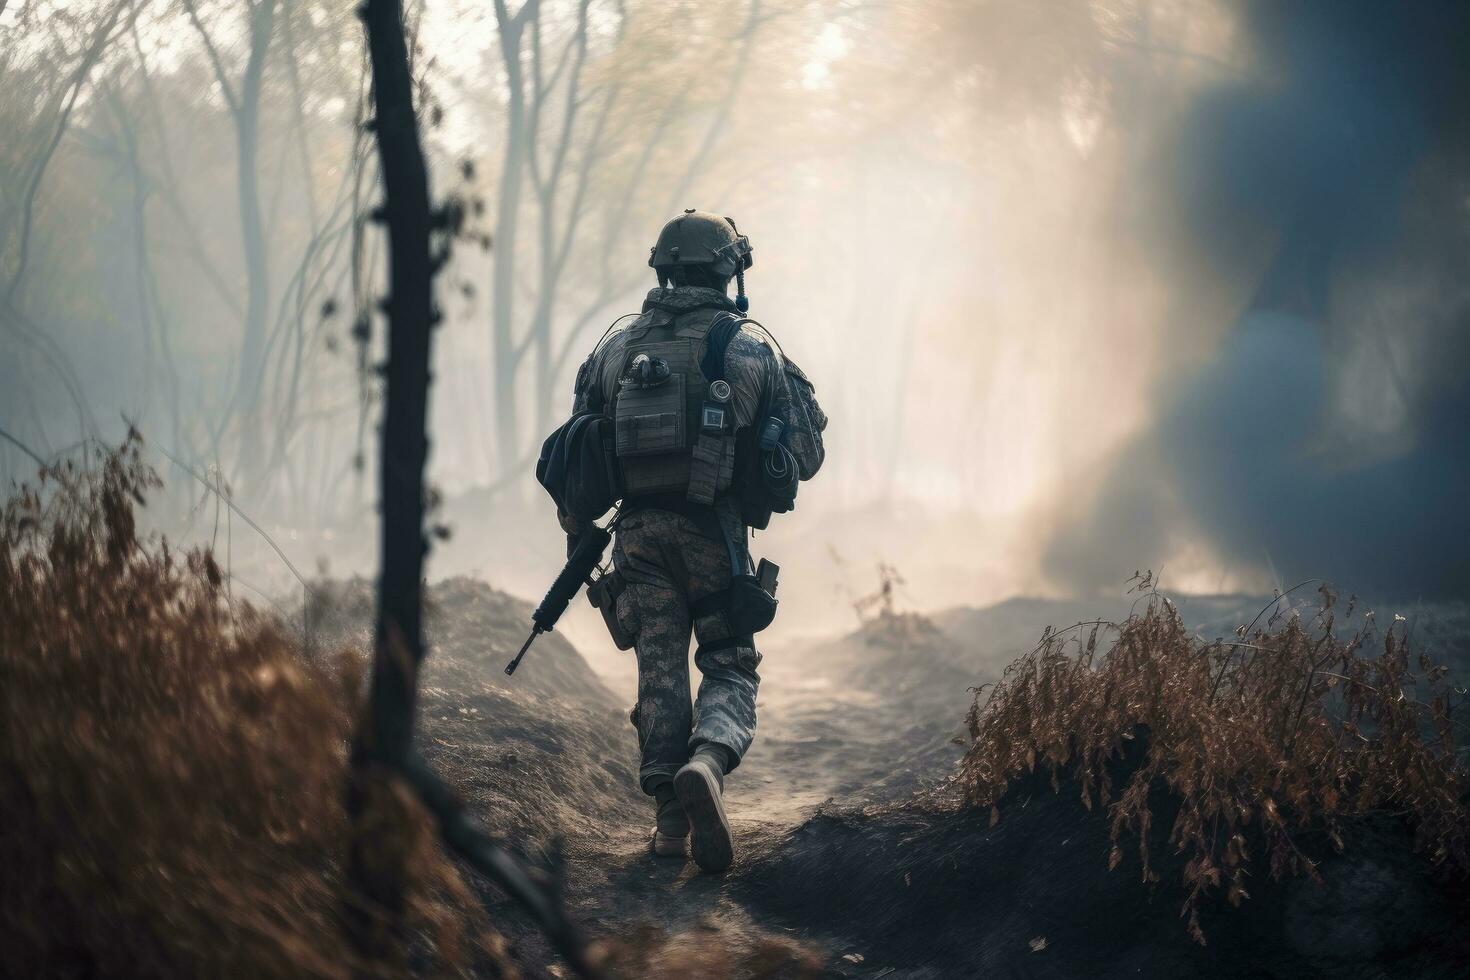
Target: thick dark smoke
(1327, 435)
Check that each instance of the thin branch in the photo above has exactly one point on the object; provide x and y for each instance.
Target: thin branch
(214, 59)
(718, 124)
(238, 512)
(196, 252)
(89, 59)
(21, 326)
(584, 179)
(12, 439)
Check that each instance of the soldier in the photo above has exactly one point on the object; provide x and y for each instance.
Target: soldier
(713, 427)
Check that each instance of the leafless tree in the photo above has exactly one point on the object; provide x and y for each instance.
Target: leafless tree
(242, 97)
(383, 749)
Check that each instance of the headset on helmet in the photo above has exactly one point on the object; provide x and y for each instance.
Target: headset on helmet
(700, 238)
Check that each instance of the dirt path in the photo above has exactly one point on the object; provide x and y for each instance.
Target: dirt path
(822, 737)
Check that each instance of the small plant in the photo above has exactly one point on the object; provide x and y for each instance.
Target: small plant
(1258, 738)
(882, 600)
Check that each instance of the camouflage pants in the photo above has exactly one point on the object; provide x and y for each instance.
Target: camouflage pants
(669, 563)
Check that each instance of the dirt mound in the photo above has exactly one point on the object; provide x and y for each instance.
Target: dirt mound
(539, 755)
(999, 633)
(929, 890)
(473, 631)
(548, 760)
(1292, 768)
(173, 766)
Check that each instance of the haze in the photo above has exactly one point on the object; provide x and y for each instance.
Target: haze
(1084, 287)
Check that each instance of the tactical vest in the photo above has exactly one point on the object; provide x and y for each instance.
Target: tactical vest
(673, 426)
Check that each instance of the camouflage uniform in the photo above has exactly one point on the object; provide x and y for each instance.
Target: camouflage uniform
(671, 560)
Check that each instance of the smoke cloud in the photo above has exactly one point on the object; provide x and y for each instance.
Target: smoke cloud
(1326, 435)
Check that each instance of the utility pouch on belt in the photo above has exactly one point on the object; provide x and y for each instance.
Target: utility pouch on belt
(747, 606)
(767, 478)
(753, 599)
(603, 594)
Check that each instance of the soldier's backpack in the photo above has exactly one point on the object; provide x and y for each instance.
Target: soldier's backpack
(670, 432)
(672, 422)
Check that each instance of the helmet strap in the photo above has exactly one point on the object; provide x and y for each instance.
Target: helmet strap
(742, 302)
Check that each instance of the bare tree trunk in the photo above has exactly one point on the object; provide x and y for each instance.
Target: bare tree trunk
(383, 749)
(541, 323)
(507, 221)
(298, 114)
(148, 313)
(548, 179)
(252, 235)
(383, 743)
(244, 106)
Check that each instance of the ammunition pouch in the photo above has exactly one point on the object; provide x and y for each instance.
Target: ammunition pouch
(711, 468)
(655, 415)
(603, 594)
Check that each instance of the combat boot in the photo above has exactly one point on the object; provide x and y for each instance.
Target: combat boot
(699, 785)
(671, 832)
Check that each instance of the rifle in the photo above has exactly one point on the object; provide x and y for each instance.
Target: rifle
(585, 558)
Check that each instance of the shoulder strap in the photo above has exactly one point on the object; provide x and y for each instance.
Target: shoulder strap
(722, 330)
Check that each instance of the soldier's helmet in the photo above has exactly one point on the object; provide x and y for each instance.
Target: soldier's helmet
(699, 238)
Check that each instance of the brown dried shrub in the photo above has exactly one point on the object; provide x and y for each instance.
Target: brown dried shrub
(1280, 730)
(172, 770)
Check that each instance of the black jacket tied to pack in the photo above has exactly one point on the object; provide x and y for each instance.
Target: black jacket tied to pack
(578, 469)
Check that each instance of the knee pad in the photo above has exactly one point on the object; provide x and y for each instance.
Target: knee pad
(737, 651)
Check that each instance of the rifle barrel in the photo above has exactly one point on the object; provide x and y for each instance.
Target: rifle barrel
(510, 668)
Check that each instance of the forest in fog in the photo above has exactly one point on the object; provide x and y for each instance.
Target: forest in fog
(1084, 287)
(1120, 347)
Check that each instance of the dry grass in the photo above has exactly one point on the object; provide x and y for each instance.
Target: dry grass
(172, 771)
(1261, 739)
